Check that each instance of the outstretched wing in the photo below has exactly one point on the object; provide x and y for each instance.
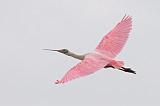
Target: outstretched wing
(89, 65)
(113, 42)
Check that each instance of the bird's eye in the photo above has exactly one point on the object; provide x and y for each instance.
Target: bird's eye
(65, 51)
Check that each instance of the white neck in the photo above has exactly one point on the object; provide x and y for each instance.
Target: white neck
(80, 57)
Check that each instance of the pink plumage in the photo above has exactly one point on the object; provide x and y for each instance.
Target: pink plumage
(89, 65)
(113, 42)
(104, 54)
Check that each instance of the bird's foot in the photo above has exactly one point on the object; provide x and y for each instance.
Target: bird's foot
(129, 70)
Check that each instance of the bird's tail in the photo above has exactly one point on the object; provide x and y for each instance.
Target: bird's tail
(116, 64)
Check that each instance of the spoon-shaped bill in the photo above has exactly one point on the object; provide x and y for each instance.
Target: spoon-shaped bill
(51, 50)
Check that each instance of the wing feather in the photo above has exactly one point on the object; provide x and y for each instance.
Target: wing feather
(113, 42)
(89, 65)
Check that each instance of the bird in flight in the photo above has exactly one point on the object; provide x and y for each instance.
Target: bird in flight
(103, 55)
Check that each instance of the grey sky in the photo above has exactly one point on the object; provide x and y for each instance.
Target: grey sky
(27, 73)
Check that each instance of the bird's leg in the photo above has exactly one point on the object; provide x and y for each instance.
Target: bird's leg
(129, 70)
(108, 66)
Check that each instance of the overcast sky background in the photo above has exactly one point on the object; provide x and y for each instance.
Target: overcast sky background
(27, 72)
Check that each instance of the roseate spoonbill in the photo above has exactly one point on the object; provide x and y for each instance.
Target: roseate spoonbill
(103, 55)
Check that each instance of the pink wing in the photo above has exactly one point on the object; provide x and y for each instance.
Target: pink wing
(89, 65)
(113, 42)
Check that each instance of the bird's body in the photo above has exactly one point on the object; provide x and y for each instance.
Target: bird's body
(103, 55)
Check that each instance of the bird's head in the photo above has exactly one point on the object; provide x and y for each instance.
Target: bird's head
(64, 51)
